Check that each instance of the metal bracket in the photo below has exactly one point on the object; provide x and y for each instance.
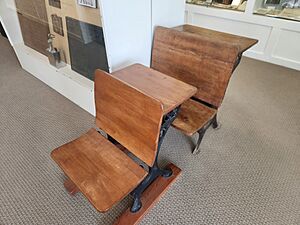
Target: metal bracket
(237, 62)
(154, 171)
(214, 123)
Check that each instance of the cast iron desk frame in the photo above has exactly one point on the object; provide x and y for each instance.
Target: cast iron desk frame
(154, 171)
(213, 122)
(135, 76)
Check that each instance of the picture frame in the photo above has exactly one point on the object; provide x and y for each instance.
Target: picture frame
(271, 2)
(55, 3)
(291, 4)
(57, 24)
(88, 3)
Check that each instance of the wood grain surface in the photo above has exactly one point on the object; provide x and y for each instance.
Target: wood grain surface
(71, 187)
(200, 57)
(193, 116)
(243, 43)
(103, 173)
(129, 116)
(169, 91)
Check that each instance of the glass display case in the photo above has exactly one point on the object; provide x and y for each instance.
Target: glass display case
(67, 32)
(238, 5)
(284, 9)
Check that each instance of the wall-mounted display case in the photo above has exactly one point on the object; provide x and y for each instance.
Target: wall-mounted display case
(283, 9)
(66, 32)
(238, 5)
(84, 35)
(34, 24)
(273, 22)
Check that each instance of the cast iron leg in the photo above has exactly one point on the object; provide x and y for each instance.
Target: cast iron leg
(154, 171)
(201, 133)
(137, 204)
(137, 193)
(215, 123)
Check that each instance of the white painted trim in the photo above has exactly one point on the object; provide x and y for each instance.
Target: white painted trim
(65, 81)
(239, 20)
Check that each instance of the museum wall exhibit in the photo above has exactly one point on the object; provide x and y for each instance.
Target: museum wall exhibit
(123, 34)
(34, 23)
(275, 23)
(286, 9)
(64, 41)
(86, 47)
(78, 35)
(69, 32)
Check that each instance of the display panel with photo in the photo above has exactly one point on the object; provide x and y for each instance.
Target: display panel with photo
(55, 3)
(88, 3)
(57, 24)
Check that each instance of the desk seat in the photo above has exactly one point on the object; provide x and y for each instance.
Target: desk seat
(193, 116)
(101, 171)
(203, 58)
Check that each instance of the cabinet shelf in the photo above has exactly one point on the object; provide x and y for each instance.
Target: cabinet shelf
(239, 5)
(280, 13)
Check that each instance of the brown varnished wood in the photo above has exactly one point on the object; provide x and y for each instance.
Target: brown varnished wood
(193, 116)
(243, 43)
(129, 116)
(103, 173)
(151, 196)
(71, 187)
(169, 91)
(132, 116)
(200, 57)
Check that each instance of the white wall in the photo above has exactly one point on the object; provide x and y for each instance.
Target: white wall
(128, 28)
(278, 38)
(164, 15)
(128, 33)
(9, 19)
(65, 81)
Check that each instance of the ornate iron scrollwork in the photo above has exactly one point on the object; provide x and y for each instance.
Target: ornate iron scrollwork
(154, 171)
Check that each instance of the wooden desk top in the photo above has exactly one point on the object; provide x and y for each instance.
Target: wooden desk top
(169, 91)
(243, 43)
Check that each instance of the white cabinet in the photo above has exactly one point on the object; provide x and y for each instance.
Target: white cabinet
(278, 38)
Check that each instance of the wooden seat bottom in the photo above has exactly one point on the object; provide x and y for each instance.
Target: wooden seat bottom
(193, 116)
(101, 171)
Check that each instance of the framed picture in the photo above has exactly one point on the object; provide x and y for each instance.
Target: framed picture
(88, 3)
(55, 3)
(57, 24)
(290, 4)
(272, 2)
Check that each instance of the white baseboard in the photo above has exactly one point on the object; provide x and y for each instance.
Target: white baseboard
(65, 81)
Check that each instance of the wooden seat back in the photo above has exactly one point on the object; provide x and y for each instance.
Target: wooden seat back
(200, 57)
(129, 116)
